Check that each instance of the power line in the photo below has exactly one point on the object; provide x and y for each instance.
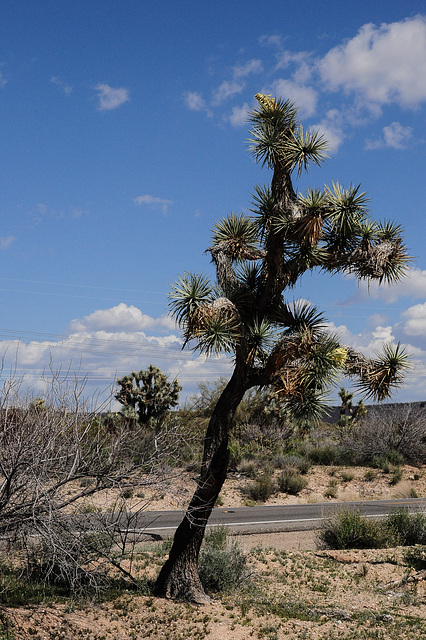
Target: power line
(81, 286)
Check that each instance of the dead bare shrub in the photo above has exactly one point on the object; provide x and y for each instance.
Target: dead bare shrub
(391, 428)
(55, 454)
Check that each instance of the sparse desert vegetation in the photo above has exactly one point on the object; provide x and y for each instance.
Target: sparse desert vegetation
(264, 592)
(59, 582)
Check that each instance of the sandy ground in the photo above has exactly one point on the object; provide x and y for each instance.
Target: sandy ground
(348, 484)
(298, 592)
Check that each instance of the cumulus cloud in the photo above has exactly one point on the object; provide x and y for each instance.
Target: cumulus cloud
(107, 344)
(414, 321)
(395, 136)
(413, 285)
(382, 65)
(110, 98)
(121, 317)
(305, 97)
(333, 135)
(226, 90)
(154, 202)
(5, 242)
(238, 117)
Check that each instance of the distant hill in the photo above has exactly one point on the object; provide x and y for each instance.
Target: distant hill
(333, 413)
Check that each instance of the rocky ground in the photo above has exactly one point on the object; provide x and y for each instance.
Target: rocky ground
(295, 590)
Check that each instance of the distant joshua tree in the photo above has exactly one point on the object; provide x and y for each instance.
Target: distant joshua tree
(285, 347)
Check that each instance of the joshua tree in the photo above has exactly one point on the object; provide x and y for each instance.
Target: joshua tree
(147, 397)
(275, 344)
(349, 414)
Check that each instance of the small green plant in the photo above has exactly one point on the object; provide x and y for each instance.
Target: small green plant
(396, 476)
(395, 457)
(248, 468)
(87, 507)
(416, 557)
(348, 529)
(291, 482)
(291, 461)
(346, 476)
(332, 489)
(222, 566)
(408, 528)
(235, 453)
(325, 454)
(216, 538)
(370, 475)
(262, 488)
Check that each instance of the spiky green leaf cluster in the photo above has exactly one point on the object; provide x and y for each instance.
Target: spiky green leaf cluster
(279, 139)
(385, 373)
(187, 295)
(238, 233)
(259, 258)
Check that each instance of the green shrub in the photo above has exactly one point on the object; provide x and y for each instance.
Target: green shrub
(332, 489)
(396, 477)
(416, 558)
(291, 482)
(248, 468)
(235, 453)
(395, 457)
(370, 475)
(291, 460)
(262, 488)
(348, 529)
(326, 454)
(408, 528)
(222, 567)
(216, 538)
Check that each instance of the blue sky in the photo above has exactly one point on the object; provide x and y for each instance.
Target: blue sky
(124, 137)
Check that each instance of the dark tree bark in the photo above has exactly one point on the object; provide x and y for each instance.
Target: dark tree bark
(179, 578)
(293, 235)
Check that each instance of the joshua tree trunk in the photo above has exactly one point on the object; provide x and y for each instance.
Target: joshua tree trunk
(179, 576)
(278, 345)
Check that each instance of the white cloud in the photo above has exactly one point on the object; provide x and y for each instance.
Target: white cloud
(238, 117)
(121, 317)
(305, 97)
(194, 101)
(395, 136)
(331, 128)
(414, 323)
(66, 88)
(3, 80)
(110, 98)
(382, 65)
(244, 70)
(6, 242)
(368, 341)
(412, 286)
(226, 90)
(107, 344)
(271, 41)
(154, 202)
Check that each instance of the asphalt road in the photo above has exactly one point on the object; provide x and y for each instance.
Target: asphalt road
(275, 518)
